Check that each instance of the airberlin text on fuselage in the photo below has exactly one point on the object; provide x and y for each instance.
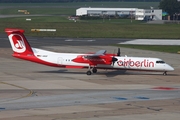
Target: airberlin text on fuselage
(135, 63)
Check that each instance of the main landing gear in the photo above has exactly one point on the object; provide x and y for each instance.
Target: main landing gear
(94, 70)
(165, 73)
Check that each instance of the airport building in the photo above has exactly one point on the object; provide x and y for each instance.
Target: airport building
(138, 14)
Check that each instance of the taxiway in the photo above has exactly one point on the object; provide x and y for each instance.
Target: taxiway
(32, 91)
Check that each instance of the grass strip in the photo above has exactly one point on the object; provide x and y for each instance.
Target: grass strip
(107, 28)
(160, 48)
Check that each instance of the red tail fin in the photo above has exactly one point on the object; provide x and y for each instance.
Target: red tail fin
(18, 41)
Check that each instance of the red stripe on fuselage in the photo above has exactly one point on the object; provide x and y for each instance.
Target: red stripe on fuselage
(32, 58)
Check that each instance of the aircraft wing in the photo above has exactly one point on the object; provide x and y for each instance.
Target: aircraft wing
(97, 54)
(99, 57)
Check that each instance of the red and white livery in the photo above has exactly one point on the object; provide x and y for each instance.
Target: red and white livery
(91, 61)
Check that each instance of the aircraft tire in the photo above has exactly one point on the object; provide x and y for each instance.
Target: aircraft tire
(88, 73)
(94, 70)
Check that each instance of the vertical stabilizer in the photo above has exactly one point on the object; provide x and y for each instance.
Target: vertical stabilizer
(18, 42)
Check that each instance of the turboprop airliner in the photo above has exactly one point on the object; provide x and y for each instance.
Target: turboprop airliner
(90, 61)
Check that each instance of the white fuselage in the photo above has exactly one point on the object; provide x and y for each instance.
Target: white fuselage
(126, 63)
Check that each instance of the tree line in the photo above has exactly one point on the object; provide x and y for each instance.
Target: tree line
(56, 1)
(172, 7)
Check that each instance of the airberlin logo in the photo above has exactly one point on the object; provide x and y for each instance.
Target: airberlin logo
(17, 43)
(134, 63)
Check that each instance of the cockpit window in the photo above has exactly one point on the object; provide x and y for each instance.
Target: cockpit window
(160, 62)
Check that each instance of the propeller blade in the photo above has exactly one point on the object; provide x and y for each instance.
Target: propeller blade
(119, 52)
(115, 59)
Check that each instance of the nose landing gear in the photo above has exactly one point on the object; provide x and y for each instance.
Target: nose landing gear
(165, 73)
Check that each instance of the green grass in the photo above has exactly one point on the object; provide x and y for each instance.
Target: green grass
(160, 48)
(36, 19)
(101, 28)
(114, 28)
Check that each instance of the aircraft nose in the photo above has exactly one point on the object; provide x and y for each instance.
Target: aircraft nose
(170, 68)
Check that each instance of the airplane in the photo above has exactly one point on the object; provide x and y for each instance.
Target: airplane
(90, 61)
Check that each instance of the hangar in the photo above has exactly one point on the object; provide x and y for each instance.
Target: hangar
(138, 14)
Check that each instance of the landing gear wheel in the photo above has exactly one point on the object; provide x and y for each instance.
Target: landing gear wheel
(88, 72)
(165, 73)
(94, 70)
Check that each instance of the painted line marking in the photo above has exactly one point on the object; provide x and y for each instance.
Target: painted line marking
(120, 98)
(70, 40)
(164, 88)
(2, 108)
(28, 95)
(143, 98)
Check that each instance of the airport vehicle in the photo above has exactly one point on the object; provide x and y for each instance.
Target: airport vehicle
(91, 61)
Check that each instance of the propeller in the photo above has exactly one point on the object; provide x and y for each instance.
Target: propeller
(114, 59)
(119, 52)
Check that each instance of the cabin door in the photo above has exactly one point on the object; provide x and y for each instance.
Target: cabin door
(60, 61)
